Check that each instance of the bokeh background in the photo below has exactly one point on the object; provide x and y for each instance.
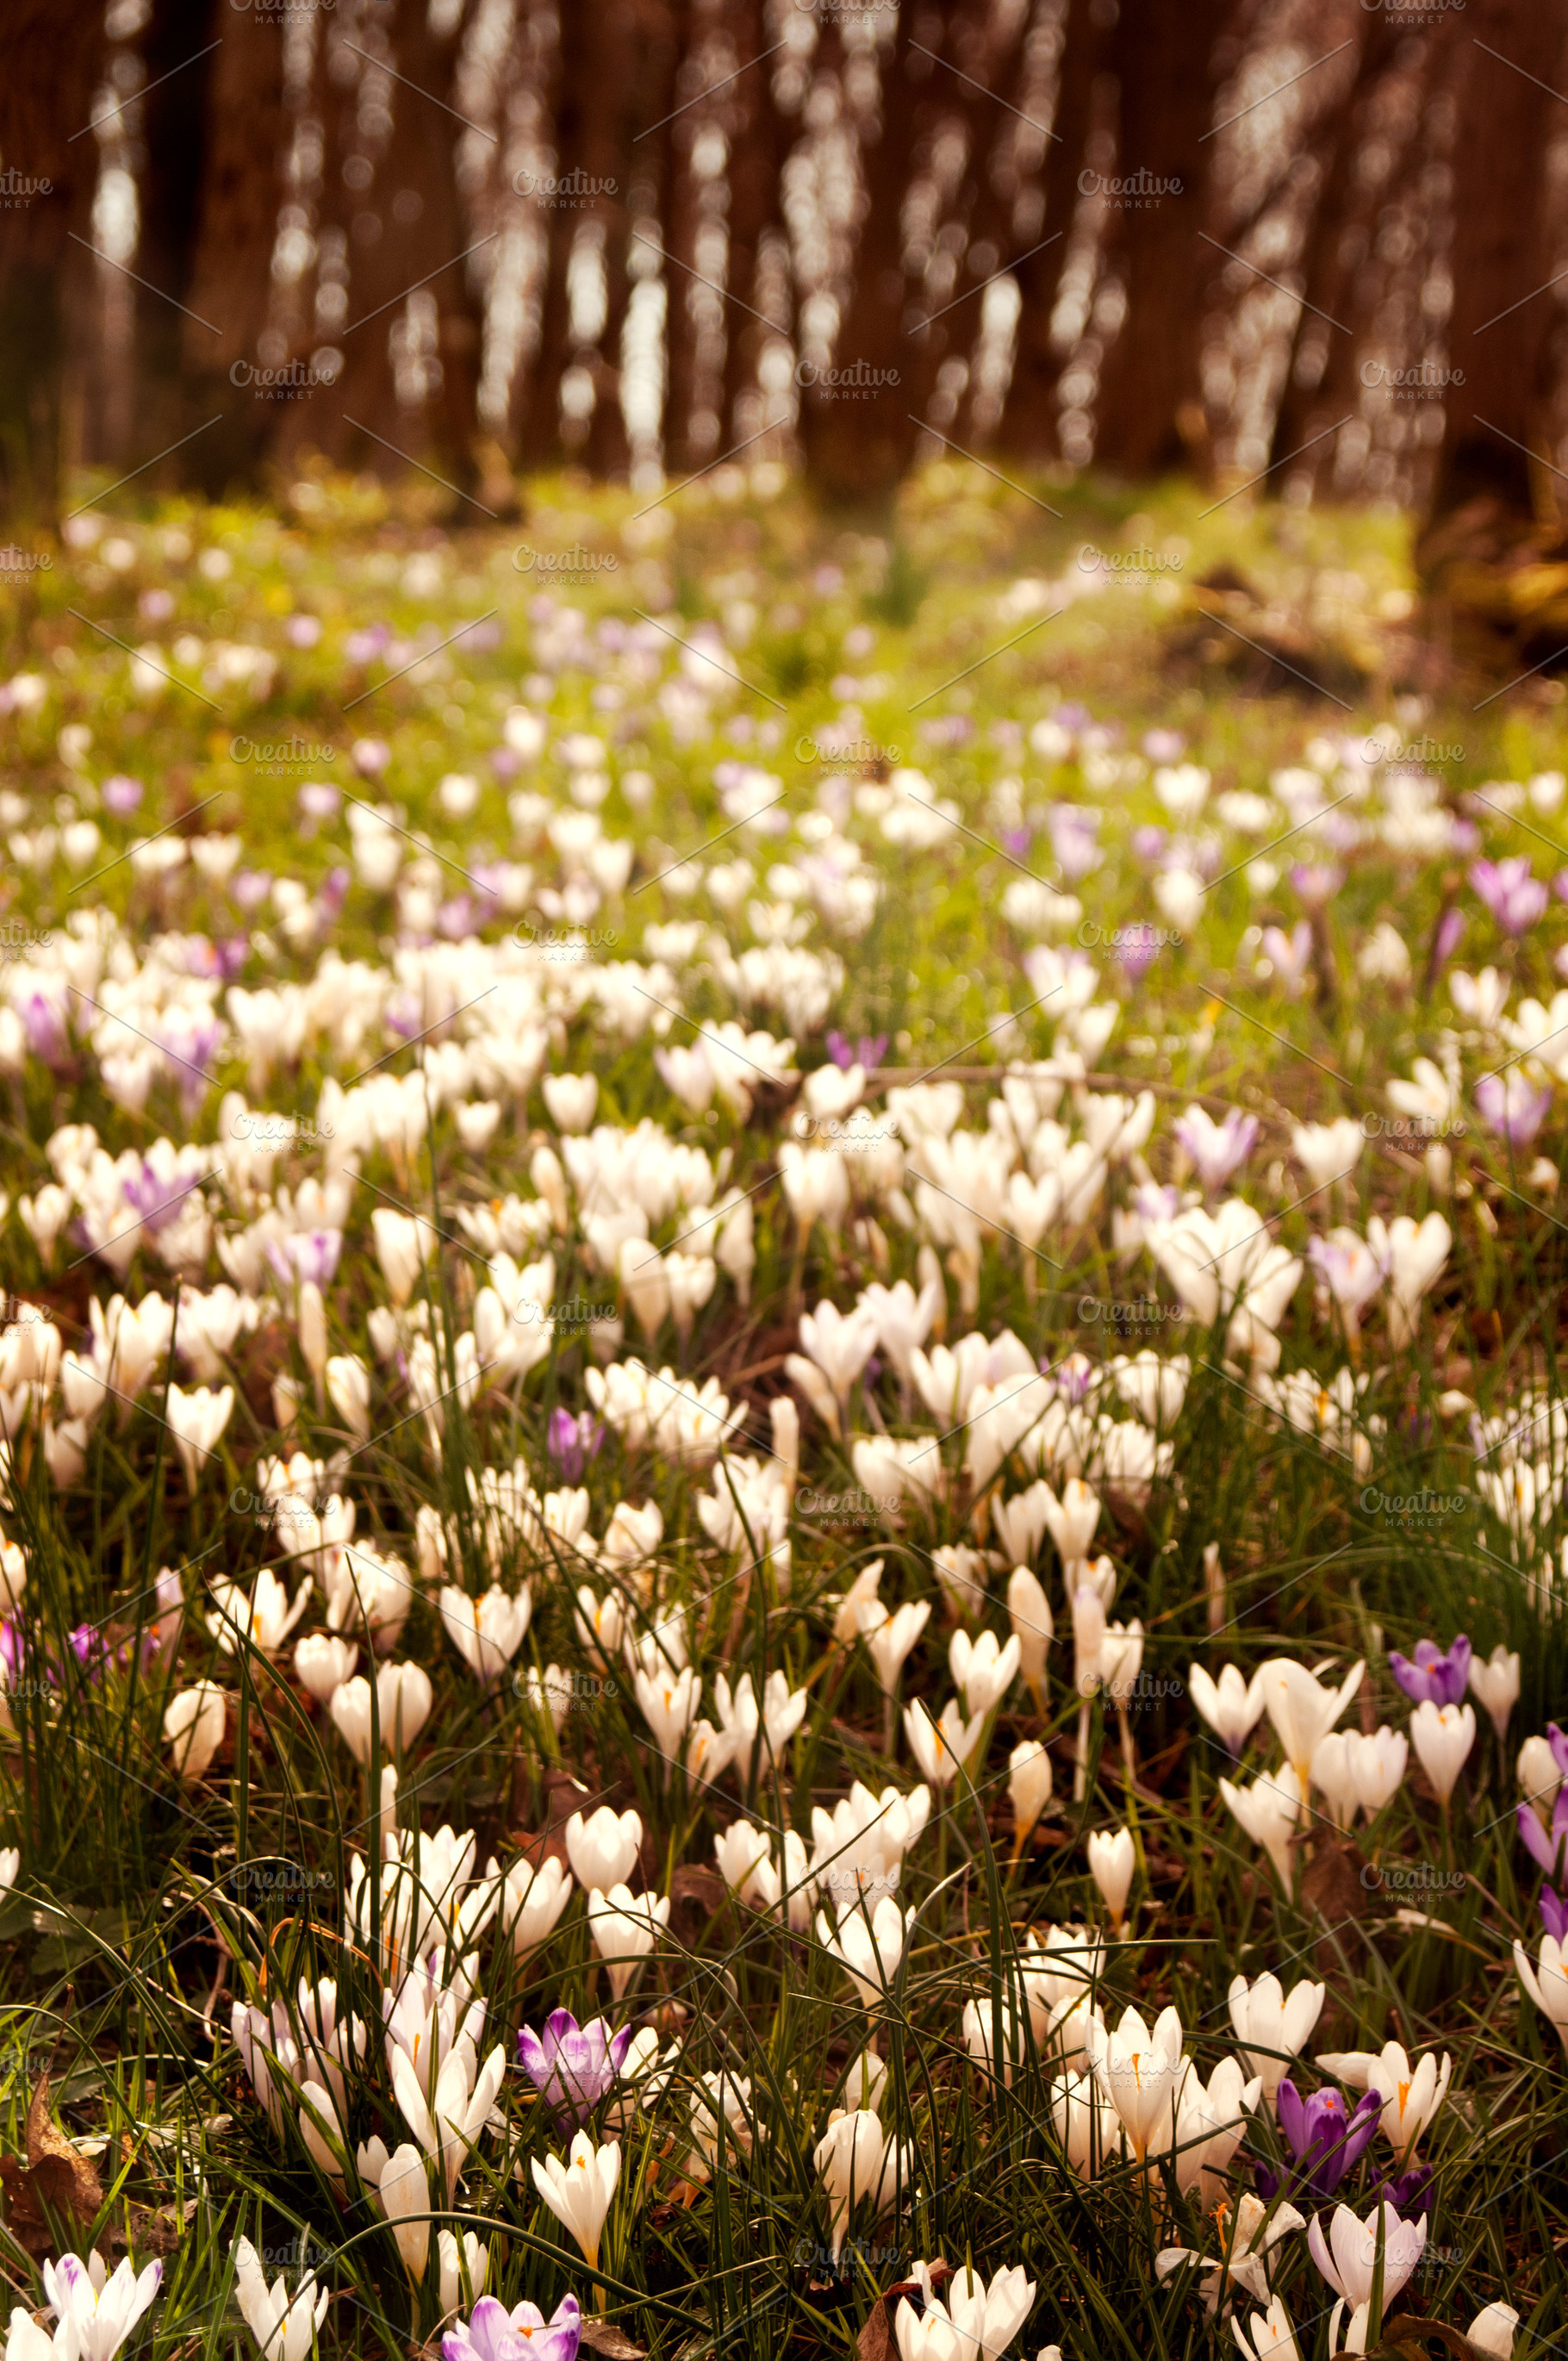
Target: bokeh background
(1319, 242)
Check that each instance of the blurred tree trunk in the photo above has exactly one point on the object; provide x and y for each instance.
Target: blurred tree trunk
(539, 427)
(1028, 427)
(229, 280)
(1319, 382)
(1148, 417)
(634, 48)
(1487, 499)
(411, 343)
(859, 439)
(758, 143)
(175, 126)
(55, 48)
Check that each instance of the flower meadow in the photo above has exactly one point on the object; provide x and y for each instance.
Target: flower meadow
(782, 1471)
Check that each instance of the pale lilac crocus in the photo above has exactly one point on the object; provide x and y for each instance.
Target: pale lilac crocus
(121, 794)
(572, 2066)
(1512, 1107)
(1217, 1149)
(1289, 954)
(493, 2334)
(1515, 899)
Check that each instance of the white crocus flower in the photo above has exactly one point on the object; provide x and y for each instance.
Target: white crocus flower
(1210, 2123)
(580, 2191)
(892, 1642)
(625, 1928)
(1141, 2070)
(453, 2261)
(1348, 2259)
(532, 1903)
(856, 2160)
(447, 2118)
(1029, 1612)
(1413, 1253)
(1274, 2027)
(1271, 2336)
(1029, 1783)
(1232, 1707)
(982, 1669)
(1494, 1683)
(196, 1421)
(939, 1747)
(486, 1633)
(1442, 1736)
(1269, 1811)
(1547, 1981)
(265, 1619)
(1113, 1858)
(1302, 1710)
(1247, 2237)
(1493, 2330)
(101, 2310)
(867, 1947)
(976, 2323)
(323, 1663)
(284, 2327)
(603, 1850)
(193, 1728)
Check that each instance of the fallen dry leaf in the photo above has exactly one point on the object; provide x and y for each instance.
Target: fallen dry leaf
(56, 2175)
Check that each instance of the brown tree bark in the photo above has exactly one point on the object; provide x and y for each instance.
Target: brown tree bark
(175, 126)
(1312, 398)
(54, 49)
(1502, 309)
(859, 437)
(229, 281)
(1164, 60)
(634, 49)
(758, 143)
(1028, 427)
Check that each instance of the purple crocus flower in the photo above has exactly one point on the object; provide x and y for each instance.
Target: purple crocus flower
(522, 2334)
(1016, 841)
(250, 887)
(1149, 842)
(1512, 1107)
(1515, 899)
(149, 1195)
(302, 631)
(1449, 936)
(333, 890)
(1137, 950)
(1074, 839)
(1554, 1915)
(318, 799)
(1442, 1678)
(1165, 745)
(45, 1028)
(1545, 1846)
(1408, 2192)
(1325, 2137)
(121, 794)
(1217, 1149)
(306, 1255)
(1316, 886)
(570, 2065)
(573, 1441)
